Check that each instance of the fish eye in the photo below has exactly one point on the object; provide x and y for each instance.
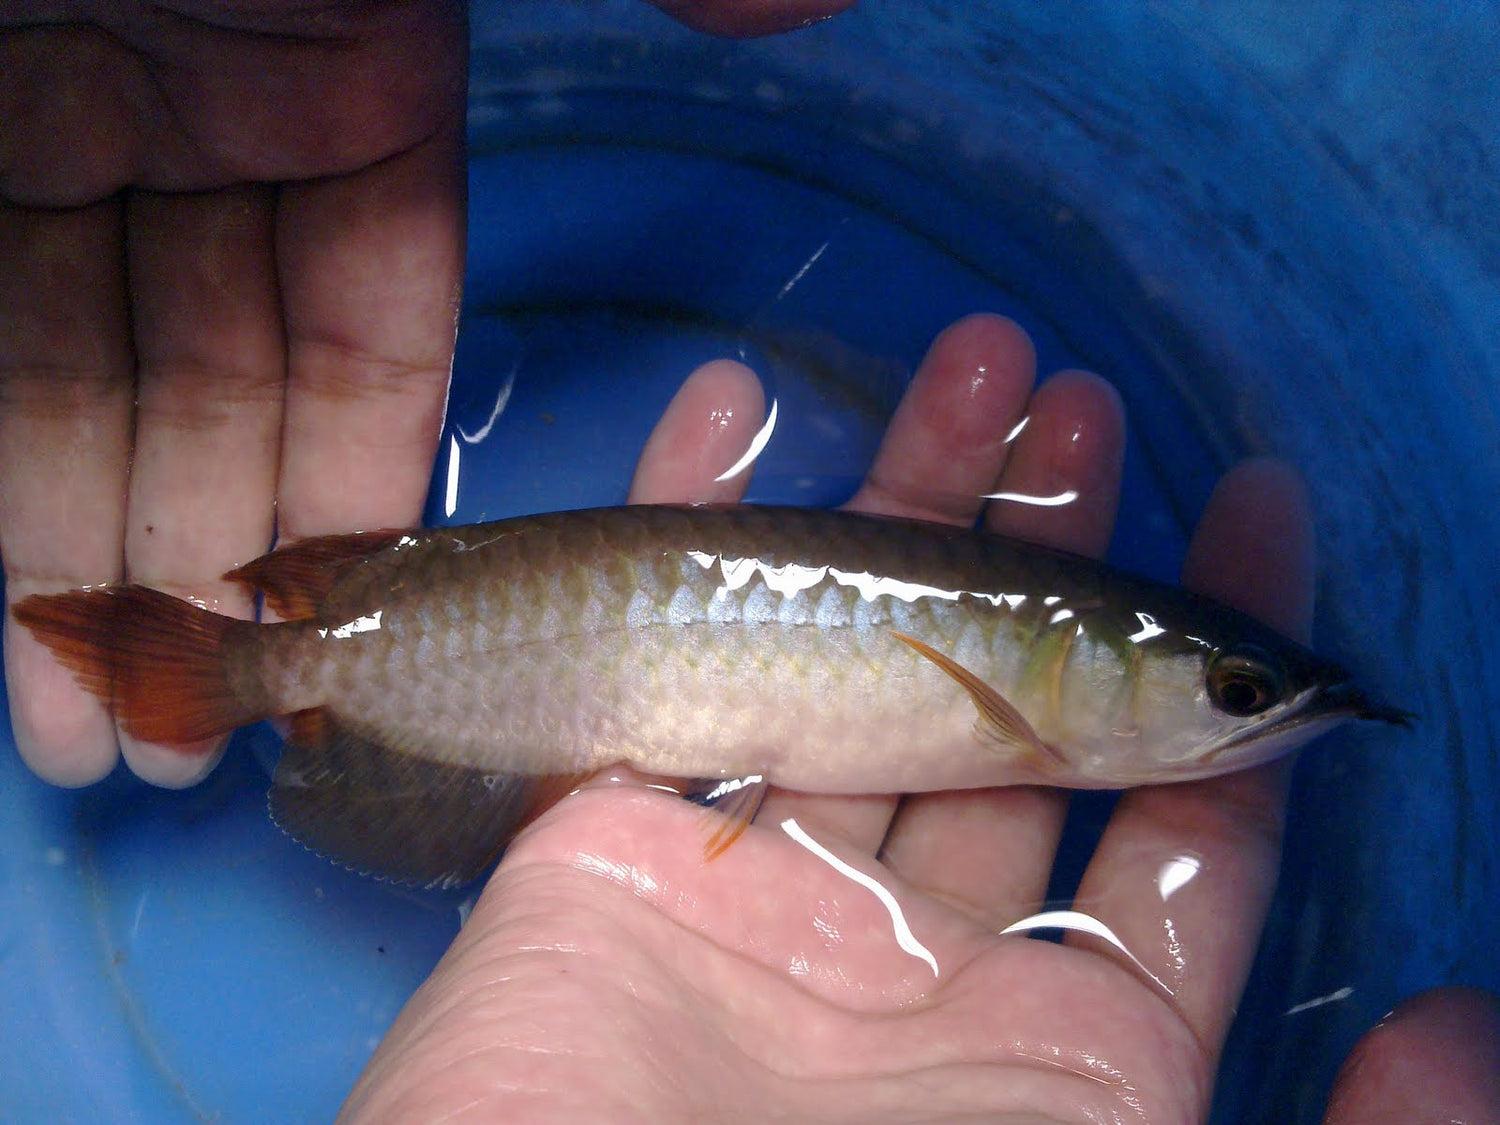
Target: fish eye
(1245, 680)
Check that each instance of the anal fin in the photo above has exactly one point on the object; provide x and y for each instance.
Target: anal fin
(398, 815)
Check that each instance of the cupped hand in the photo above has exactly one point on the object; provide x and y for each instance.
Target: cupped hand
(842, 961)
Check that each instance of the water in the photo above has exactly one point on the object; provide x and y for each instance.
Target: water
(822, 205)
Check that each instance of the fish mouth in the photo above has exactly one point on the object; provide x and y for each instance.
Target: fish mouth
(1321, 709)
(1347, 699)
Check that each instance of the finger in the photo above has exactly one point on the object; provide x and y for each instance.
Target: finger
(1184, 873)
(56, 150)
(750, 17)
(370, 267)
(1062, 485)
(704, 432)
(66, 390)
(989, 852)
(947, 441)
(1436, 1058)
(942, 452)
(212, 363)
(1268, 571)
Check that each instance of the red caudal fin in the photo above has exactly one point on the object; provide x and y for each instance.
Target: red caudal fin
(157, 660)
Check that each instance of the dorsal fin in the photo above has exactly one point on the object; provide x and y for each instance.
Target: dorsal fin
(385, 812)
(295, 580)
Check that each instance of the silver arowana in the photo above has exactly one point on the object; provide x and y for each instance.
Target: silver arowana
(445, 685)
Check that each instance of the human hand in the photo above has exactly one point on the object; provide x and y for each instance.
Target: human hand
(234, 246)
(228, 307)
(608, 973)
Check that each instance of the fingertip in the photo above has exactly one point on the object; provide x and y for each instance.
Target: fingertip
(172, 767)
(64, 735)
(1436, 1057)
(972, 385)
(697, 452)
(949, 436)
(1254, 546)
(1062, 483)
(983, 341)
(1094, 413)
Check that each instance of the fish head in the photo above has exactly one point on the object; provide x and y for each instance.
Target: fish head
(1246, 695)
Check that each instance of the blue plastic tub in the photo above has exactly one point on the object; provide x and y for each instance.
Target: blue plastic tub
(1269, 232)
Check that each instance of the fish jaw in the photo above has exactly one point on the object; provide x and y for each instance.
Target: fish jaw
(1218, 745)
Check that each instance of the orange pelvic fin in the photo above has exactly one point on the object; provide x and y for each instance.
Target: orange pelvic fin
(731, 806)
(294, 580)
(157, 660)
(385, 811)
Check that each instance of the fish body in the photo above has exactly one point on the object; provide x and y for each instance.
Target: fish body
(823, 651)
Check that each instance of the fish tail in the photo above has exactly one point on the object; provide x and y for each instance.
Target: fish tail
(157, 660)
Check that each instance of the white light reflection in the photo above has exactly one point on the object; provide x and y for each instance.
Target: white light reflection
(1015, 431)
(1084, 924)
(1057, 500)
(450, 488)
(757, 445)
(465, 908)
(1149, 628)
(807, 265)
(501, 399)
(904, 937)
(140, 913)
(1176, 874)
(1318, 1001)
(792, 578)
(367, 624)
(731, 785)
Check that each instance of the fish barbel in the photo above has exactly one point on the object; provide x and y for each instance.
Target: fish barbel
(444, 685)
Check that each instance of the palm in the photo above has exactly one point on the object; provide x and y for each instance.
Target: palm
(765, 986)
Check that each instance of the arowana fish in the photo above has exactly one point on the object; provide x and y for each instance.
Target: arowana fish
(445, 685)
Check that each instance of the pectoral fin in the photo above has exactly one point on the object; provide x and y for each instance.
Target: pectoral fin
(998, 718)
(397, 815)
